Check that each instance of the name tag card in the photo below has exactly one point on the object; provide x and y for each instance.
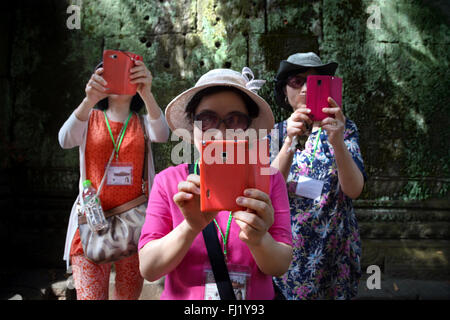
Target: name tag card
(309, 188)
(239, 277)
(119, 175)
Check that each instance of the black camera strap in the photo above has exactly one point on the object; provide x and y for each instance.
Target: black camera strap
(216, 258)
(280, 135)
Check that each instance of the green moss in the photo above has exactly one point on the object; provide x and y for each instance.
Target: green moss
(395, 78)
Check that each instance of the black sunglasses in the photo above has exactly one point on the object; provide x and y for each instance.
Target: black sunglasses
(296, 81)
(234, 120)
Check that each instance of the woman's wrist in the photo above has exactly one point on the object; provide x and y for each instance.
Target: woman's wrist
(288, 141)
(82, 112)
(261, 244)
(283, 161)
(272, 257)
(151, 105)
(89, 102)
(146, 95)
(188, 231)
(287, 145)
(339, 146)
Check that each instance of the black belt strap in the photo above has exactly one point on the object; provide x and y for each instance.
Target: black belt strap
(217, 259)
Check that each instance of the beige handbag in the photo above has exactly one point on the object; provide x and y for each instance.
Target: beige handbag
(120, 239)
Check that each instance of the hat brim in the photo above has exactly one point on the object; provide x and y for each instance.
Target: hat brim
(177, 117)
(287, 69)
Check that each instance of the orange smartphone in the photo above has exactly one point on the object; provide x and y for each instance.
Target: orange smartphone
(117, 65)
(227, 168)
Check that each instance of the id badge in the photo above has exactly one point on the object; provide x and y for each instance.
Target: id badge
(239, 277)
(309, 188)
(119, 174)
(306, 187)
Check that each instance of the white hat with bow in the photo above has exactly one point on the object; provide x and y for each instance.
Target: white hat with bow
(245, 81)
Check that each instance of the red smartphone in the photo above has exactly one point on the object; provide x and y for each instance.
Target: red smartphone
(319, 89)
(117, 65)
(227, 168)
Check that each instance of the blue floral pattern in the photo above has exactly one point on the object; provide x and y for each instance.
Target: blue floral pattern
(326, 242)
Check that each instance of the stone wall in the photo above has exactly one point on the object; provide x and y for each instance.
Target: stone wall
(395, 89)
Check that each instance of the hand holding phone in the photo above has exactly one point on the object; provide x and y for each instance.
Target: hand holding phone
(319, 89)
(96, 87)
(227, 168)
(299, 124)
(188, 201)
(259, 216)
(117, 65)
(334, 124)
(141, 76)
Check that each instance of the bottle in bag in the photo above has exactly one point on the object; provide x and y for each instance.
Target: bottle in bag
(92, 208)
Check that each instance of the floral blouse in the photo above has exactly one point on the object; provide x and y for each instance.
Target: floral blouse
(326, 242)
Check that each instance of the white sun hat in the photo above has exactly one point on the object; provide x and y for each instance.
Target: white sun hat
(177, 117)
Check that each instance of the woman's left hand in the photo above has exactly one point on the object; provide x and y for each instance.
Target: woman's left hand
(335, 126)
(141, 76)
(258, 218)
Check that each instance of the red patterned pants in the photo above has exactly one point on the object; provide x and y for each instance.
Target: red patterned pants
(92, 280)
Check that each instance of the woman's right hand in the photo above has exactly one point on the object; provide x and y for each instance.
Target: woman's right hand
(95, 88)
(299, 122)
(188, 200)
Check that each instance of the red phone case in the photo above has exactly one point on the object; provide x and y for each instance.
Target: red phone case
(319, 89)
(117, 65)
(227, 168)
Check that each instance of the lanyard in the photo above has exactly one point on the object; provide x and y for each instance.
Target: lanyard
(117, 147)
(313, 155)
(227, 232)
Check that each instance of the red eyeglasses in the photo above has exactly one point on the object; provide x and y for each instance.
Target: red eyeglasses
(296, 81)
(234, 120)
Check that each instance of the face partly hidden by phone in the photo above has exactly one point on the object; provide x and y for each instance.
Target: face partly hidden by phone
(117, 65)
(319, 88)
(227, 168)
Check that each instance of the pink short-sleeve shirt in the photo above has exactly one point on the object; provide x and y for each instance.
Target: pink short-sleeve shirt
(187, 280)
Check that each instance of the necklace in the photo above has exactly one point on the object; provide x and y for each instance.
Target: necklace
(117, 147)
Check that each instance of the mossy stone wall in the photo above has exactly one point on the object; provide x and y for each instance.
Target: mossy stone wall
(395, 78)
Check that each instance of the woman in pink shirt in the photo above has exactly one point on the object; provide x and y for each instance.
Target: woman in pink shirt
(257, 243)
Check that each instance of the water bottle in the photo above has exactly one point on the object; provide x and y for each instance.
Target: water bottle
(92, 208)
